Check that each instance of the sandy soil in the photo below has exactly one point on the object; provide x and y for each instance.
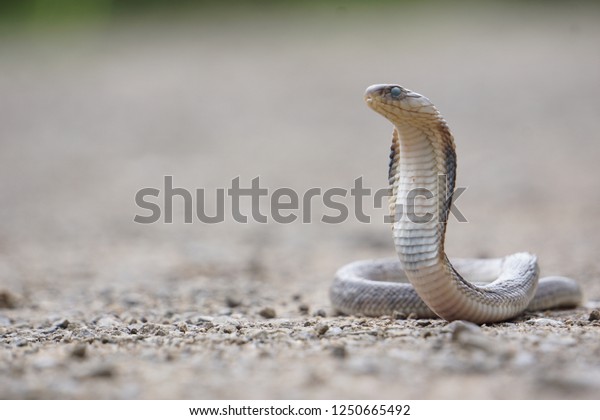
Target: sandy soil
(93, 305)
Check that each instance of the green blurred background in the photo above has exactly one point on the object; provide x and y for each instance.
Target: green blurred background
(33, 13)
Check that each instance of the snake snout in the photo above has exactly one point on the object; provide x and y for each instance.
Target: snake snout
(374, 91)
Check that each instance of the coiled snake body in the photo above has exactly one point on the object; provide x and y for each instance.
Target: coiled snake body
(422, 175)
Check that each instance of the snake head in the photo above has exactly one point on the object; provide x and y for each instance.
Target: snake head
(394, 101)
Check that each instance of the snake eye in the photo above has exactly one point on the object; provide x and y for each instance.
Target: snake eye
(395, 92)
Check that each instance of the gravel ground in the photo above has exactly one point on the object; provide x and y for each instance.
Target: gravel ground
(93, 305)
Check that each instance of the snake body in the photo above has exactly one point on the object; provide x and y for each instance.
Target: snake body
(423, 281)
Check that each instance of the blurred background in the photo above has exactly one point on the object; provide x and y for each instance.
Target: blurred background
(99, 99)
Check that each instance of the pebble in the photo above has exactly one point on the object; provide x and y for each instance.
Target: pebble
(101, 371)
(225, 311)
(399, 315)
(470, 336)
(84, 333)
(545, 322)
(333, 331)
(134, 328)
(63, 324)
(321, 313)
(4, 321)
(201, 319)
(79, 351)
(256, 334)
(594, 315)
(107, 322)
(228, 329)
(7, 300)
(339, 352)
(233, 302)
(20, 342)
(226, 320)
(268, 313)
(458, 327)
(321, 329)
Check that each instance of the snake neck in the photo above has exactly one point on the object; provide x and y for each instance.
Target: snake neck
(422, 175)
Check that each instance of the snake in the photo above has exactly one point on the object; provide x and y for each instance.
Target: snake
(422, 281)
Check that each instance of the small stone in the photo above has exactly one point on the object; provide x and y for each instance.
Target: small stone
(232, 302)
(182, 327)
(399, 315)
(545, 322)
(321, 329)
(225, 312)
(334, 331)
(4, 321)
(226, 320)
(303, 308)
(107, 322)
(459, 327)
(259, 335)
(321, 313)
(63, 324)
(7, 300)
(79, 351)
(201, 320)
(21, 342)
(594, 315)
(268, 313)
(228, 329)
(339, 352)
(102, 371)
(132, 300)
(422, 322)
(470, 336)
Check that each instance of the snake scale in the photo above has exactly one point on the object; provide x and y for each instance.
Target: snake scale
(423, 281)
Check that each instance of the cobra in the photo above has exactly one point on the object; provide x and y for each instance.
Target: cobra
(423, 281)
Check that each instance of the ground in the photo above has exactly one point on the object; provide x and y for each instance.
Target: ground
(94, 305)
